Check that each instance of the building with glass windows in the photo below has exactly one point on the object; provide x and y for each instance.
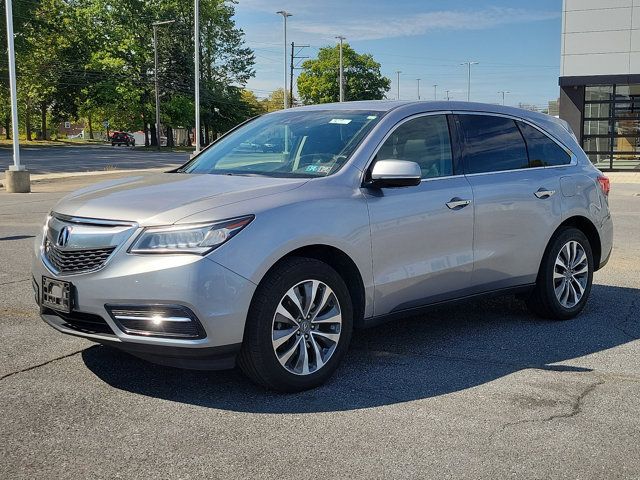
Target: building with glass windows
(600, 79)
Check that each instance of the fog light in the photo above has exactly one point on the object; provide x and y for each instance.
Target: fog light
(168, 321)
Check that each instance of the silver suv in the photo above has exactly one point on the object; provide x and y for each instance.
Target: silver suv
(270, 246)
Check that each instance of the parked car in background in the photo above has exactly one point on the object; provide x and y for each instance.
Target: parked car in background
(122, 138)
(372, 210)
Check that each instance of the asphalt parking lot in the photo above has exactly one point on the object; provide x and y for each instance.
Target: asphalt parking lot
(84, 158)
(479, 390)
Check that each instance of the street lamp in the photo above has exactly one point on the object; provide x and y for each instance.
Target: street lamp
(468, 64)
(435, 92)
(341, 38)
(398, 72)
(196, 36)
(503, 92)
(285, 15)
(447, 92)
(18, 179)
(418, 79)
(155, 74)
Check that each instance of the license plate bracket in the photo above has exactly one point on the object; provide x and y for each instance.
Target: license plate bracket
(57, 295)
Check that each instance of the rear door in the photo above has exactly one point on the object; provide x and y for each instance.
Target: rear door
(422, 236)
(517, 202)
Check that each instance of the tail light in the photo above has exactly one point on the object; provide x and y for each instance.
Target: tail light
(605, 184)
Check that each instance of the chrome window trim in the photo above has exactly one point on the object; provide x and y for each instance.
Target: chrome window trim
(572, 163)
(516, 170)
(393, 129)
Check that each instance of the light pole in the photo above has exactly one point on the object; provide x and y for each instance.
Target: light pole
(447, 93)
(418, 87)
(196, 36)
(503, 92)
(18, 179)
(468, 64)
(398, 72)
(155, 74)
(435, 92)
(341, 38)
(285, 15)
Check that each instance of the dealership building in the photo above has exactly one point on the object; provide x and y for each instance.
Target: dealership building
(600, 79)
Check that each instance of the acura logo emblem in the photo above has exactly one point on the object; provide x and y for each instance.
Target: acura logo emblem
(63, 236)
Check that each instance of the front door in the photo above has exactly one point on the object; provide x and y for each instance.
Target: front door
(422, 236)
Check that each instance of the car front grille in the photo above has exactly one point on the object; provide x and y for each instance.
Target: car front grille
(76, 261)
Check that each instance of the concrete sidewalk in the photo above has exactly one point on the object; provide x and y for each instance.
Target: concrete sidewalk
(48, 181)
(623, 177)
(615, 177)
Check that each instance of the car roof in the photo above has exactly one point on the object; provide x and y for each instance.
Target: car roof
(541, 119)
(427, 106)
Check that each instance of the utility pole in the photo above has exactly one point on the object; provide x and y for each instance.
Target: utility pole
(293, 46)
(503, 92)
(155, 74)
(196, 36)
(398, 72)
(435, 92)
(418, 88)
(285, 15)
(294, 56)
(17, 177)
(468, 64)
(341, 38)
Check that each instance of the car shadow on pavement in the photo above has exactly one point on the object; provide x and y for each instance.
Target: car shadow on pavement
(450, 349)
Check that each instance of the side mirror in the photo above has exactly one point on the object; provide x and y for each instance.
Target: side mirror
(395, 173)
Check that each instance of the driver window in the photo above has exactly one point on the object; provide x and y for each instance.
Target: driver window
(423, 140)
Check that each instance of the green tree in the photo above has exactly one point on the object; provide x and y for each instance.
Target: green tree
(250, 99)
(319, 80)
(275, 101)
(93, 59)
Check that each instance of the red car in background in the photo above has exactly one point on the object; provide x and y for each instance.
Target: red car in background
(122, 138)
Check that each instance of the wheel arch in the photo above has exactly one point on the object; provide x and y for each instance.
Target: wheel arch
(343, 265)
(587, 227)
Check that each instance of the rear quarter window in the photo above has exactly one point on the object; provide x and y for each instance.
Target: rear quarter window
(543, 151)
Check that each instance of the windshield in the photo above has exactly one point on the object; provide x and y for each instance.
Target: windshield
(289, 144)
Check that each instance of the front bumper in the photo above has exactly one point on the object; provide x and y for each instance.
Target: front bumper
(218, 297)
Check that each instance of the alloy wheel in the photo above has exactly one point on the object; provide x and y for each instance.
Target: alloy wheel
(306, 327)
(570, 274)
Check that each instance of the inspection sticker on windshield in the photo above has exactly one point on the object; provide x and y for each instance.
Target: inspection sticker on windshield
(340, 121)
(319, 169)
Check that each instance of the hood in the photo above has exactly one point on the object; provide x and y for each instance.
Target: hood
(166, 198)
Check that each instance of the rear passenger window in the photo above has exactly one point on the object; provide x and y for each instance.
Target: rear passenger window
(492, 144)
(543, 152)
(424, 140)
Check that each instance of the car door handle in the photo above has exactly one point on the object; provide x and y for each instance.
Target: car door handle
(457, 203)
(543, 193)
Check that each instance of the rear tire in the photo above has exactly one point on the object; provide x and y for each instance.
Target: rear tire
(290, 348)
(565, 277)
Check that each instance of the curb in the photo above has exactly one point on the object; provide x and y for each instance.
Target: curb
(43, 177)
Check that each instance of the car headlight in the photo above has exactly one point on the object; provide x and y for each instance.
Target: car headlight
(199, 239)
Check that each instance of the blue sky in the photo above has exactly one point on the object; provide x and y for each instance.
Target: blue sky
(516, 42)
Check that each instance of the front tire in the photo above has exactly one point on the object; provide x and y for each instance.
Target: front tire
(566, 274)
(299, 326)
